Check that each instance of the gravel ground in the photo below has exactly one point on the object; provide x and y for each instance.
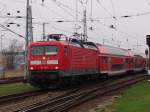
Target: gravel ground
(100, 102)
(12, 106)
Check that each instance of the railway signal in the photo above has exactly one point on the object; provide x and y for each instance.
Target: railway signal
(148, 43)
(146, 52)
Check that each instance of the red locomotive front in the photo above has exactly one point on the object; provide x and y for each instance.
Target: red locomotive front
(44, 61)
(43, 56)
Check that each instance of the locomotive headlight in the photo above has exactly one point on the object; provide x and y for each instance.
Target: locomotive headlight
(56, 67)
(44, 58)
(31, 68)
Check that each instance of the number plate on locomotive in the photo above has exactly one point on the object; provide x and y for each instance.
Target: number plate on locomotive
(44, 62)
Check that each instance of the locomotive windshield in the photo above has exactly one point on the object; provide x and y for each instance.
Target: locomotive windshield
(43, 50)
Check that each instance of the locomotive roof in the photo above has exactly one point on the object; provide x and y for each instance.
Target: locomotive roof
(110, 50)
(72, 43)
(48, 42)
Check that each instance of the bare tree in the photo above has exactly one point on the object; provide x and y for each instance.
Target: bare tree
(14, 47)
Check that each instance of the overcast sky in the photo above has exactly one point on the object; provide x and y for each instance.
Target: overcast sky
(129, 32)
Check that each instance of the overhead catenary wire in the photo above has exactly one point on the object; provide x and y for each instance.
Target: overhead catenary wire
(4, 7)
(105, 9)
(71, 9)
(134, 37)
(125, 16)
(91, 13)
(9, 19)
(3, 16)
(61, 29)
(46, 6)
(68, 7)
(52, 11)
(148, 2)
(54, 27)
(66, 11)
(103, 37)
(2, 26)
(76, 18)
(136, 15)
(114, 14)
(116, 30)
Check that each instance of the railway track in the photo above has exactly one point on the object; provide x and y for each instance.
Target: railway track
(11, 80)
(66, 101)
(14, 97)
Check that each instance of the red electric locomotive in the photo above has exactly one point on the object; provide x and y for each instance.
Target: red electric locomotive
(51, 61)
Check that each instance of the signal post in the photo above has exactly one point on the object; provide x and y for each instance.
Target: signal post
(148, 43)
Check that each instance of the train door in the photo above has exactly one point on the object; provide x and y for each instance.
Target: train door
(104, 64)
(116, 65)
(66, 59)
(127, 63)
(131, 63)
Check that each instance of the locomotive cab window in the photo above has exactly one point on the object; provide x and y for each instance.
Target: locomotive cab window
(43, 50)
(50, 50)
(37, 50)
